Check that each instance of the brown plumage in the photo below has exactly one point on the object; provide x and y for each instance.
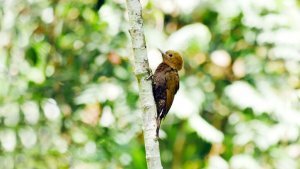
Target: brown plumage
(166, 84)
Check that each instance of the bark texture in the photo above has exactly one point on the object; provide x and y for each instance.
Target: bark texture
(145, 85)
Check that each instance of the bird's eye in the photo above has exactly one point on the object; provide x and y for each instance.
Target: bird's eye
(170, 55)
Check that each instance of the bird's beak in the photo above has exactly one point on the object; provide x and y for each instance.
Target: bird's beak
(162, 53)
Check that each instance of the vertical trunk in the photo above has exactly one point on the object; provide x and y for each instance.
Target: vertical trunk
(145, 86)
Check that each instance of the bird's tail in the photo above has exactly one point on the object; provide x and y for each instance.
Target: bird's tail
(158, 126)
(158, 121)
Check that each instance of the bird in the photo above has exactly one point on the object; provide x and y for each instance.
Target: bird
(165, 84)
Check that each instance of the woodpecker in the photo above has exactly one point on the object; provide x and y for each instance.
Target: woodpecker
(165, 84)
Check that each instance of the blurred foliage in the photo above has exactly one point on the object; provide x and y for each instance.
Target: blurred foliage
(69, 97)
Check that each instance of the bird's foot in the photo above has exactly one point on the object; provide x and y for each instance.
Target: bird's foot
(150, 74)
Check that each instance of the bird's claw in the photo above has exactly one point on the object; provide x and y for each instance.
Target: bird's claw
(149, 77)
(149, 71)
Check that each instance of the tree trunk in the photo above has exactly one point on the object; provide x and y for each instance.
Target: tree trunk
(142, 72)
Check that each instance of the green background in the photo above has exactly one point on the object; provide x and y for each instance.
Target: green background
(69, 97)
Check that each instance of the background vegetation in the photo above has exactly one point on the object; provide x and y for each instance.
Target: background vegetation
(69, 98)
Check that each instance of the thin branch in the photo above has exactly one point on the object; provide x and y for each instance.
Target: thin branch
(145, 86)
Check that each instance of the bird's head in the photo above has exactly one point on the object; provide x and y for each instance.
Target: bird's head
(173, 59)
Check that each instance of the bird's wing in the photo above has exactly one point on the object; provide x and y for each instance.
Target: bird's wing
(159, 91)
(172, 81)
